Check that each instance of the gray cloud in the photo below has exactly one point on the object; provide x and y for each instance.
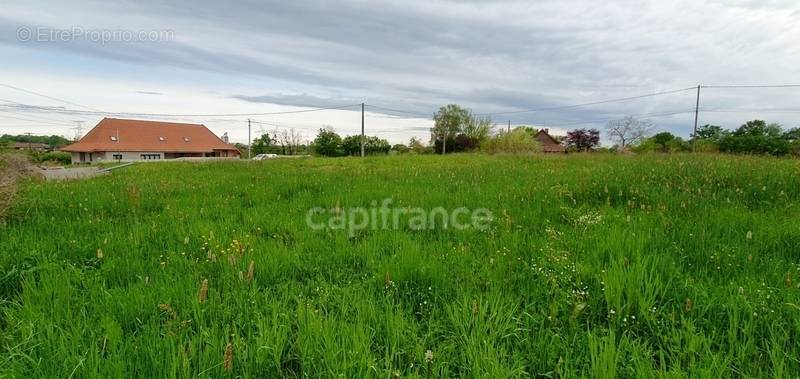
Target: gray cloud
(490, 56)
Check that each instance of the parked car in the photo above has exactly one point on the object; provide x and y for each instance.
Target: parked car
(261, 157)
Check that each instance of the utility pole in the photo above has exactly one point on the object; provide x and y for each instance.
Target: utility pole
(249, 142)
(362, 130)
(30, 147)
(444, 141)
(509, 126)
(696, 115)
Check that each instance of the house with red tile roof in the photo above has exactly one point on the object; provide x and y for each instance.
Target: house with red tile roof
(115, 139)
(548, 143)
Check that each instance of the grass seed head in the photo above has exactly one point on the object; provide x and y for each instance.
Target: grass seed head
(251, 270)
(227, 362)
(688, 305)
(203, 292)
(99, 253)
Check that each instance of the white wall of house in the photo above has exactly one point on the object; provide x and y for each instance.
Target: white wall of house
(143, 156)
(123, 156)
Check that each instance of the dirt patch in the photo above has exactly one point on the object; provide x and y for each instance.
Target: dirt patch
(12, 169)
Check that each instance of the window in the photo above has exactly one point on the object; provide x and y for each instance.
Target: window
(186, 139)
(113, 138)
(117, 157)
(161, 139)
(148, 157)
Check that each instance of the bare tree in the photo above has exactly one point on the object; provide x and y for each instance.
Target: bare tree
(289, 140)
(277, 136)
(295, 139)
(628, 131)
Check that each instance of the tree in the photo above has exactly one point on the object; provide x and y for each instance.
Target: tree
(261, 144)
(416, 146)
(449, 121)
(792, 135)
(51, 141)
(374, 145)
(663, 140)
(583, 139)
(518, 141)
(351, 145)
(529, 129)
(756, 137)
(759, 128)
(328, 143)
(628, 131)
(793, 138)
(478, 129)
(399, 148)
(710, 132)
(288, 139)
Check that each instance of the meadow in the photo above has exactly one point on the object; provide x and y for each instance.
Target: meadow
(593, 266)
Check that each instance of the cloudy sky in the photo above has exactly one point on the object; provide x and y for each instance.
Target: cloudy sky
(495, 57)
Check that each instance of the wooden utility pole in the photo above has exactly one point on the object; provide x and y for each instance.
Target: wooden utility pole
(509, 126)
(444, 141)
(249, 142)
(696, 109)
(696, 115)
(362, 130)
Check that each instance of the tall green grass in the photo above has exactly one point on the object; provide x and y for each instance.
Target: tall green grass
(595, 266)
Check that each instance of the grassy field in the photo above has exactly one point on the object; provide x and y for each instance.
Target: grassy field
(594, 266)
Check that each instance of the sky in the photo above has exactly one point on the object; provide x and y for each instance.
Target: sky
(210, 61)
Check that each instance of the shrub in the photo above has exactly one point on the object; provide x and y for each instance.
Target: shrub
(400, 149)
(705, 146)
(351, 145)
(514, 142)
(328, 143)
(59, 157)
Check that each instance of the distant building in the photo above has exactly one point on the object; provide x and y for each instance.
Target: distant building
(30, 146)
(548, 143)
(116, 139)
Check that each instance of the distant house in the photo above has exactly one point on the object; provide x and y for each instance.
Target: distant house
(30, 146)
(116, 139)
(548, 143)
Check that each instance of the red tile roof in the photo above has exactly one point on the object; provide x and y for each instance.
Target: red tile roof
(548, 143)
(114, 134)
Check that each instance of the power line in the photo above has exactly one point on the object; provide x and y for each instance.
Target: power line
(34, 116)
(643, 115)
(31, 120)
(48, 97)
(74, 111)
(756, 86)
(591, 103)
(745, 110)
(399, 111)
